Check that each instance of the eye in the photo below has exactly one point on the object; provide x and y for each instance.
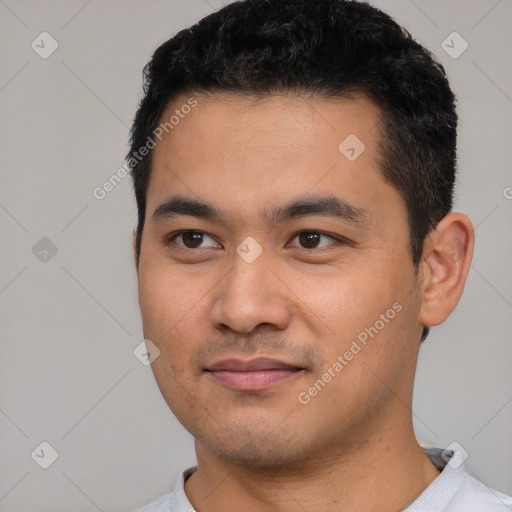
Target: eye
(313, 239)
(191, 239)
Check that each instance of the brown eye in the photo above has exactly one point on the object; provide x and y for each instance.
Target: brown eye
(192, 239)
(313, 239)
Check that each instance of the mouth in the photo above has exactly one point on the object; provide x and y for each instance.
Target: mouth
(252, 375)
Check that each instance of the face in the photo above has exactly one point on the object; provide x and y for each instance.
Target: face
(275, 278)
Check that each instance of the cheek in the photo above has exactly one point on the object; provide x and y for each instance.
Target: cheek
(170, 316)
(362, 312)
(170, 308)
(346, 300)
(165, 295)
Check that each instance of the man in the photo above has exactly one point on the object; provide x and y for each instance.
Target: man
(293, 164)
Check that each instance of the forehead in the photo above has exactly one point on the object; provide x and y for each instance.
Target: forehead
(244, 151)
(292, 124)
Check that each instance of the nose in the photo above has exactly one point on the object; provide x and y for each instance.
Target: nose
(249, 295)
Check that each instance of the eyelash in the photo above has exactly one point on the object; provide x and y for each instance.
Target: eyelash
(170, 239)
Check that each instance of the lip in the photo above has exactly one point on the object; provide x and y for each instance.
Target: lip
(251, 365)
(252, 375)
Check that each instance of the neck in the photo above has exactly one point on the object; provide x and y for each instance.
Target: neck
(382, 475)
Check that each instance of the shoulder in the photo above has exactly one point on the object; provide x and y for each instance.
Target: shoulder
(473, 495)
(455, 490)
(161, 504)
(176, 501)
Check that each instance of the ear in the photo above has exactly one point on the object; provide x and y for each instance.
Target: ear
(444, 267)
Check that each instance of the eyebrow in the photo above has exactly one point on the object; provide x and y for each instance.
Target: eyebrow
(326, 206)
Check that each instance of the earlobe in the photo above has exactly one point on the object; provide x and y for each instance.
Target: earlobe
(444, 267)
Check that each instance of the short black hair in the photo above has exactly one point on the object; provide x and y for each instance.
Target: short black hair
(318, 48)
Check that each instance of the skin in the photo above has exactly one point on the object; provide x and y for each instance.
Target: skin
(352, 447)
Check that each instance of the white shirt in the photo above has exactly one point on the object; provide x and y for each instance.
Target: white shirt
(454, 490)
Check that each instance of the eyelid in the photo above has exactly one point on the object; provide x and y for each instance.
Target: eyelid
(334, 238)
(175, 234)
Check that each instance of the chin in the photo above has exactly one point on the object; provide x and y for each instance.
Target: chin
(257, 447)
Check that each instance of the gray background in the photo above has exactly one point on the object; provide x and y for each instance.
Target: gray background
(69, 325)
